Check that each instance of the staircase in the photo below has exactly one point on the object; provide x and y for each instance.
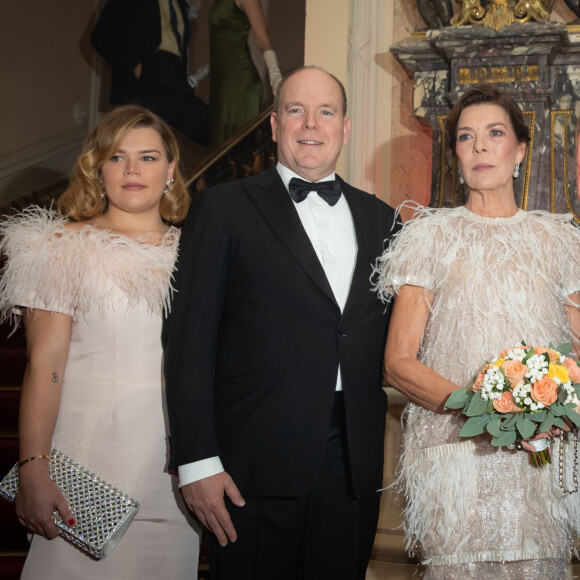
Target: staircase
(249, 152)
(13, 542)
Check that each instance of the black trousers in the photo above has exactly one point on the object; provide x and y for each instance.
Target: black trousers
(163, 88)
(327, 534)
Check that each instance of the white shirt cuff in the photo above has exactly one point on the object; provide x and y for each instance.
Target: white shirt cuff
(197, 470)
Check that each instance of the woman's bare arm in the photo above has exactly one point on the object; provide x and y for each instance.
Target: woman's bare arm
(404, 372)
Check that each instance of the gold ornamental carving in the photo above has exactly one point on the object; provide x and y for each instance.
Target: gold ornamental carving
(497, 14)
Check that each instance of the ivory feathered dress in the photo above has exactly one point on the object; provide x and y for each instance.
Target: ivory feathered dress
(472, 510)
(111, 416)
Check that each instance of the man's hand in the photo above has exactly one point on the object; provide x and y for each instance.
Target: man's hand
(206, 499)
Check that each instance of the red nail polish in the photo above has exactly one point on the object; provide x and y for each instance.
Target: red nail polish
(71, 522)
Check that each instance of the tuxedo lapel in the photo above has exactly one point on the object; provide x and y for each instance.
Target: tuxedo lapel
(272, 200)
(366, 239)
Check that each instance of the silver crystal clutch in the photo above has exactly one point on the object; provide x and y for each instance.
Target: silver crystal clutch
(102, 512)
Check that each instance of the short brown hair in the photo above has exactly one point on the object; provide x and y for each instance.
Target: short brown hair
(309, 67)
(83, 200)
(481, 95)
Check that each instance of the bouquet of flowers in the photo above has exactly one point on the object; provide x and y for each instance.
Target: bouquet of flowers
(523, 391)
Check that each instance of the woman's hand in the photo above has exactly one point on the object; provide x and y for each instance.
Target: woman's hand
(553, 432)
(38, 498)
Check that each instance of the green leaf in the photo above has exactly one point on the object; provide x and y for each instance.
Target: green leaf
(456, 400)
(577, 389)
(558, 422)
(494, 428)
(529, 353)
(474, 426)
(573, 416)
(562, 396)
(506, 438)
(537, 417)
(526, 427)
(510, 423)
(558, 409)
(565, 348)
(477, 406)
(547, 423)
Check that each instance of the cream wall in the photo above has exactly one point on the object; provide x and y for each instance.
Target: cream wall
(48, 90)
(325, 42)
(395, 155)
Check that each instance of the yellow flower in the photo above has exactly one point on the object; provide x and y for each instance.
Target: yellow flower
(559, 371)
(498, 362)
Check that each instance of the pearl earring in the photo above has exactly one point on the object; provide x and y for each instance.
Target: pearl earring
(461, 180)
(517, 171)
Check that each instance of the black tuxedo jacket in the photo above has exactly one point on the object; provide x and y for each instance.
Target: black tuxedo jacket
(255, 338)
(127, 33)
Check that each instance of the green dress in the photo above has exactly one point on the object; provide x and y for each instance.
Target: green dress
(235, 85)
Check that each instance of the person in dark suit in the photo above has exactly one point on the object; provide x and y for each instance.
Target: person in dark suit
(273, 355)
(145, 43)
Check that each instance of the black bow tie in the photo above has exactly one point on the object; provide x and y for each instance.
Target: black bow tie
(329, 191)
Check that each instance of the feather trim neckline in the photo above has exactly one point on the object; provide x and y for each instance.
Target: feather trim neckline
(514, 219)
(52, 267)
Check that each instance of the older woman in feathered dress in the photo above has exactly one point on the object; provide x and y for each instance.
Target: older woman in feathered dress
(468, 282)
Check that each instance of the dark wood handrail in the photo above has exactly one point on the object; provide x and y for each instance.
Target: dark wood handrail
(227, 147)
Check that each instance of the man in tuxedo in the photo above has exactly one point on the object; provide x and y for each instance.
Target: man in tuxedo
(145, 43)
(273, 355)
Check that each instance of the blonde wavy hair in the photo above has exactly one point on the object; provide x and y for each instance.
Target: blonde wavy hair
(82, 200)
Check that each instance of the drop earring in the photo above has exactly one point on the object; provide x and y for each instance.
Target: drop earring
(517, 171)
(167, 186)
(461, 180)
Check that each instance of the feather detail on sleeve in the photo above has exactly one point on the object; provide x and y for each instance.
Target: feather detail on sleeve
(409, 257)
(51, 267)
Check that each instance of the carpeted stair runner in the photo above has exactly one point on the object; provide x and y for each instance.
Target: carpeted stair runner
(13, 542)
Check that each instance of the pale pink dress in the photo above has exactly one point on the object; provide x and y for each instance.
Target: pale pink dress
(111, 416)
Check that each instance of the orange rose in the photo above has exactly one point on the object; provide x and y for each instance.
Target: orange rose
(479, 381)
(515, 371)
(573, 370)
(545, 391)
(551, 353)
(506, 404)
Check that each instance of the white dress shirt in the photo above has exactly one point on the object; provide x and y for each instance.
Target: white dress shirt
(331, 232)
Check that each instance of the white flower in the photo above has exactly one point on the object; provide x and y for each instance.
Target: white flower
(516, 354)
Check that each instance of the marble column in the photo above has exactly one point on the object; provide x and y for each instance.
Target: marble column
(367, 157)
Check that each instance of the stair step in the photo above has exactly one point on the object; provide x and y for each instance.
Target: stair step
(8, 454)
(13, 540)
(13, 365)
(12, 535)
(9, 402)
(11, 566)
(10, 338)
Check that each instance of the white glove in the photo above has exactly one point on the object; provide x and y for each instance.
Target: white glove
(198, 75)
(193, 10)
(273, 69)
